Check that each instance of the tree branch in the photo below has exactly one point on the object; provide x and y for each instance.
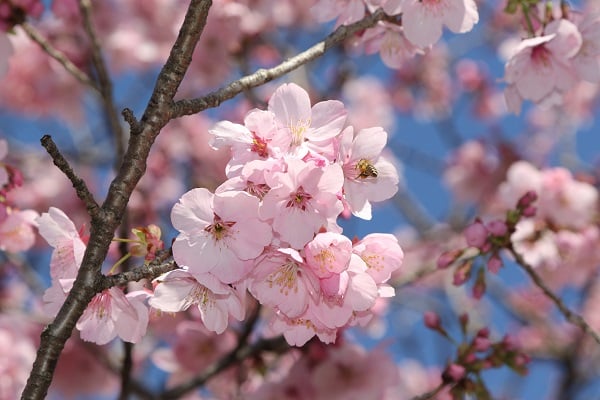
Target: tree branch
(262, 76)
(105, 85)
(79, 184)
(58, 56)
(571, 316)
(236, 356)
(104, 224)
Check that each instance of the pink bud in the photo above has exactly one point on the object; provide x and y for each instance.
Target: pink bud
(432, 320)
(497, 227)
(462, 273)
(479, 287)
(529, 211)
(494, 263)
(476, 235)
(483, 332)
(447, 258)
(481, 344)
(456, 372)
(527, 199)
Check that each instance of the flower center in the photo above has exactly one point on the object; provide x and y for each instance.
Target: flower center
(220, 228)
(299, 199)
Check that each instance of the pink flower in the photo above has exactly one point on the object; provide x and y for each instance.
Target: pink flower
(283, 281)
(587, 59)
(541, 68)
(16, 229)
(351, 373)
(257, 139)
(112, 313)
(328, 254)
(345, 294)
(423, 20)
(179, 289)
(391, 44)
(302, 200)
(220, 233)
(346, 11)
(476, 235)
(17, 352)
(367, 176)
(60, 232)
(309, 128)
(381, 253)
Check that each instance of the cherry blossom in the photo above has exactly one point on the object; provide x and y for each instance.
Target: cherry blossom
(219, 233)
(423, 20)
(541, 68)
(179, 289)
(309, 128)
(302, 200)
(346, 11)
(367, 175)
(60, 233)
(112, 313)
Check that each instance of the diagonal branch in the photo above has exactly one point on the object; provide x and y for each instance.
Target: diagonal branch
(105, 85)
(214, 99)
(79, 184)
(277, 344)
(571, 316)
(58, 56)
(104, 224)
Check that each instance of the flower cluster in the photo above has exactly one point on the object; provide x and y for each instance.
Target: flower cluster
(421, 27)
(476, 355)
(563, 52)
(487, 240)
(110, 313)
(271, 227)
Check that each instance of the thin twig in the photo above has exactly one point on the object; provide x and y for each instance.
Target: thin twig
(104, 83)
(571, 316)
(162, 264)
(236, 356)
(58, 56)
(214, 99)
(79, 184)
(432, 393)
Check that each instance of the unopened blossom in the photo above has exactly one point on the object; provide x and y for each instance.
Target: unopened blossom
(219, 233)
(368, 177)
(112, 313)
(179, 289)
(423, 20)
(541, 68)
(148, 242)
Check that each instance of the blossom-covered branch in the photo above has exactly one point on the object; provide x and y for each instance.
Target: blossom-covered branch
(214, 99)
